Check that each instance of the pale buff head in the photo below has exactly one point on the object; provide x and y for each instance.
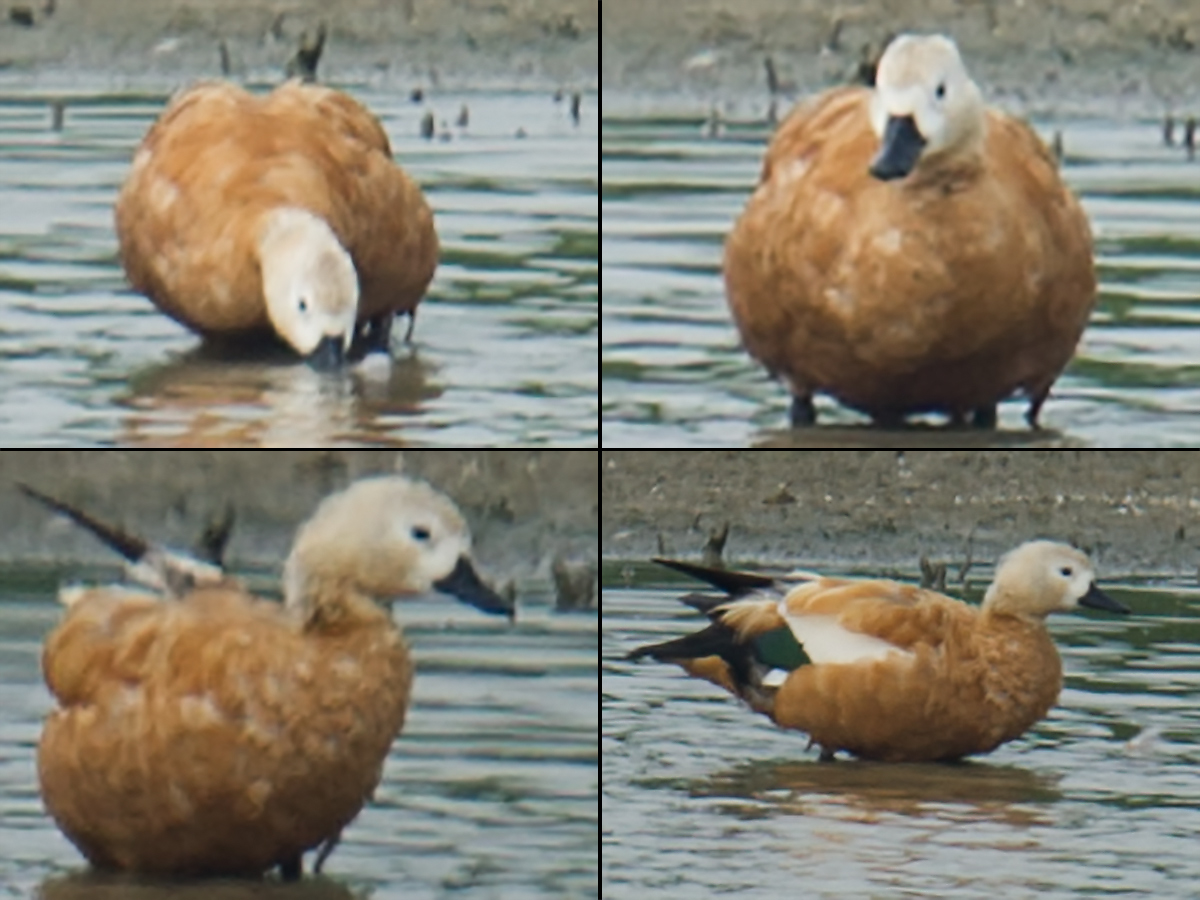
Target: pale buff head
(1041, 577)
(309, 283)
(924, 104)
(384, 538)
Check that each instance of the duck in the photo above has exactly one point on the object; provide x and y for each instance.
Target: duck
(884, 670)
(908, 250)
(207, 732)
(281, 216)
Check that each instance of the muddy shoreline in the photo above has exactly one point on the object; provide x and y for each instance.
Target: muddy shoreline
(1137, 512)
(466, 44)
(525, 507)
(1069, 57)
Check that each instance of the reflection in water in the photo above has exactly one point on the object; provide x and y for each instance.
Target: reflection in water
(217, 397)
(98, 886)
(912, 437)
(862, 790)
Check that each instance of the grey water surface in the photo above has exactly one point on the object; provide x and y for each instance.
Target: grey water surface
(672, 373)
(704, 798)
(506, 341)
(489, 792)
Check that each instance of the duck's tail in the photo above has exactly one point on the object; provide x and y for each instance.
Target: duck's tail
(746, 646)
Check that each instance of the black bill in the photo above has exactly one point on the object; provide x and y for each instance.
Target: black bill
(1097, 599)
(901, 148)
(465, 584)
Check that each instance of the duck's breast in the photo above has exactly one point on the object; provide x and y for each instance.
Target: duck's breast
(946, 289)
(212, 736)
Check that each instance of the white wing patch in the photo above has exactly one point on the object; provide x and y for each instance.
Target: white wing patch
(826, 641)
(775, 678)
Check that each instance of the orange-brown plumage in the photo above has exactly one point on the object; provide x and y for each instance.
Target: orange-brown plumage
(262, 739)
(945, 290)
(221, 734)
(893, 671)
(192, 211)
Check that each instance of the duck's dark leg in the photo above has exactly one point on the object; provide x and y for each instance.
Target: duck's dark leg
(324, 850)
(984, 417)
(371, 335)
(412, 320)
(803, 412)
(1035, 407)
(291, 869)
(888, 419)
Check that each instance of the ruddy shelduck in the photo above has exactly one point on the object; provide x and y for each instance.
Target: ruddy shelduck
(215, 733)
(245, 216)
(908, 250)
(885, 670)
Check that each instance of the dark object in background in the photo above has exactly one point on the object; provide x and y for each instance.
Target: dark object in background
(574, 583)
(304, 64)
(772, 76)
(869, 60)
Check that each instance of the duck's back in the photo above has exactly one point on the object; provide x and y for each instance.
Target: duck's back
(213, 735)
(190, 213)
(945, 290)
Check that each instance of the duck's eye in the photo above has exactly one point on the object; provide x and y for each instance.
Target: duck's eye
(941, 90)
(303, 305)
(1066, 571)
(420, 533)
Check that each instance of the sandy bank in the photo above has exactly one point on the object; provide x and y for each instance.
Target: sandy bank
(1137, 512)
(1104, 57)
(459, 44)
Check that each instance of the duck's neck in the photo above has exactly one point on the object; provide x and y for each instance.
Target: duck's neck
(996, 609)
(335, 606)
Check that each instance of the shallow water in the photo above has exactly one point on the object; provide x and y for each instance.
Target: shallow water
(703, 797)
(674, 375)
(505, 343)
(490, 791)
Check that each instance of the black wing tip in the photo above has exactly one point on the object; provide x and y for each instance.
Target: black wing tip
(731, 581)
(130, 546)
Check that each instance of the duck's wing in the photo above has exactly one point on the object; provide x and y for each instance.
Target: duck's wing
(764, 627)
(738, 657)
(149, 564)
(855, 620)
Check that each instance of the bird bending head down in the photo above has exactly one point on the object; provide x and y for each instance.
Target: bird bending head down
(309, 284)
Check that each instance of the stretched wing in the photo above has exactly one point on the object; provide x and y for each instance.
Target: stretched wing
(151, 565)
(739, 654)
